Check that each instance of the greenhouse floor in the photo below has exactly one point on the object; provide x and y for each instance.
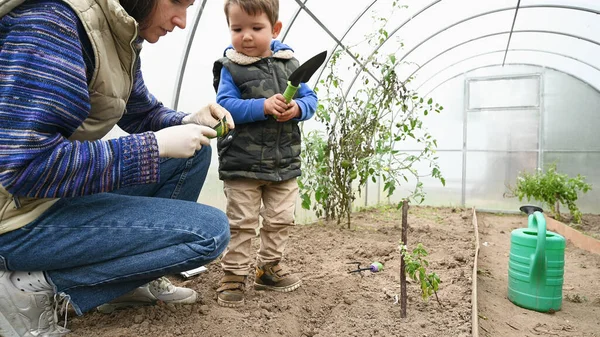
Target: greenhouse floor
(333, 302)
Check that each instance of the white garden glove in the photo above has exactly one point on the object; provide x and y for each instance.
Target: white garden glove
(209, 115)
(182, 141)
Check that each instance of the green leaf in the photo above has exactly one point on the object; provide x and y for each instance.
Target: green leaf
(305, 201)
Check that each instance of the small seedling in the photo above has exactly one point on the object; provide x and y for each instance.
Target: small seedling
(416, 265)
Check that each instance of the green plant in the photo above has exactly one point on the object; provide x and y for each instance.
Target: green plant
(553, 189)
(363, 128)
(416, 268)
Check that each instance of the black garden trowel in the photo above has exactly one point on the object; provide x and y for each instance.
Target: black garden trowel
(303, 74)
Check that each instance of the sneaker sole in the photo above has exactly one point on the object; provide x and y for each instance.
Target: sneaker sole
(287, 289)
(188, 300)
(109, 308)
(229, 304)
(6, 328)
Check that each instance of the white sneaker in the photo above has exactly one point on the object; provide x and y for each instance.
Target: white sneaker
(158, 290)
(165, 291)
(26, 314)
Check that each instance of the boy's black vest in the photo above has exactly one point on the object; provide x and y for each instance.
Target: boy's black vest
(265, 150)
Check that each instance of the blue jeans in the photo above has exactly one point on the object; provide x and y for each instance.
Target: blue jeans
(96, 248)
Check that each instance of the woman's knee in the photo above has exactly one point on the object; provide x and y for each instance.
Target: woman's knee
(214, 225)
(203, 155)
(223, 236)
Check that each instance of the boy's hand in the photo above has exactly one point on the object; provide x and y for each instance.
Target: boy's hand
(275, 105)
(293, 111)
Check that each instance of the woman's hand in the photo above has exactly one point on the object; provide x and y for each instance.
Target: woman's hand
(209, 115)
(182, 141)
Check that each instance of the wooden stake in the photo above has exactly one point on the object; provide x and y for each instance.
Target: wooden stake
(402, 264)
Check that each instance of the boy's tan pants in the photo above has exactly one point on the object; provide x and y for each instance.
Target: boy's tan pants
(244, 198)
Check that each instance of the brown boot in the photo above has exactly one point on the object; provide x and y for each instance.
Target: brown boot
(231, 292)
(272, 276)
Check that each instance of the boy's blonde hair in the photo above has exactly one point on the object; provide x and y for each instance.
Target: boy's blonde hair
(256, 7)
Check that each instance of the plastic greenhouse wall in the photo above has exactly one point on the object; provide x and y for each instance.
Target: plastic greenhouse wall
(519, 86)
(500, 121)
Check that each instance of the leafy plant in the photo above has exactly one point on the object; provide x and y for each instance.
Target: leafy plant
(362, 130)
(416, 268)
(553, 189)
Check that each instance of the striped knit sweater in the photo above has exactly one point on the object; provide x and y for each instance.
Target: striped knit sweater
(45, 66)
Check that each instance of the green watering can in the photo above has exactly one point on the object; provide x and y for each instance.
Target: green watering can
(536, 264)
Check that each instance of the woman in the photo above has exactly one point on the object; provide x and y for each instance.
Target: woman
(84, 219)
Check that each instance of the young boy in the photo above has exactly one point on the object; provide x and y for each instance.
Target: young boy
(260, 159)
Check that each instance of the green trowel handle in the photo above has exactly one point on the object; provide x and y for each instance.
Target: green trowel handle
(538, 260)
(290, 91)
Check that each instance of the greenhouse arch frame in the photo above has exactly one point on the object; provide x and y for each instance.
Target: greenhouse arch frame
(452, 50)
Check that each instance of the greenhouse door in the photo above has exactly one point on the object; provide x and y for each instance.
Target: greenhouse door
(501, 137)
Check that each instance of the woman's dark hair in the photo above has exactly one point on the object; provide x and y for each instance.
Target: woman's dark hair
(140, 10)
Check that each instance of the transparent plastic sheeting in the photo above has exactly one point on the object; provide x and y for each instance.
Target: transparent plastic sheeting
(541, 105)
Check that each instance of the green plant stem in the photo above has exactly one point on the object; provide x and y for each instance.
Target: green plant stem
(436, 296)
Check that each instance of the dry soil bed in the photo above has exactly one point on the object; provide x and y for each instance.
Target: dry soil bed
(331, 302)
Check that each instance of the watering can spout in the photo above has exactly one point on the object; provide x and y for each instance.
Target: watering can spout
(537, 273)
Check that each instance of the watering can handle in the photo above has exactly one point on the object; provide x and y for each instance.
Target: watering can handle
(538, 263)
